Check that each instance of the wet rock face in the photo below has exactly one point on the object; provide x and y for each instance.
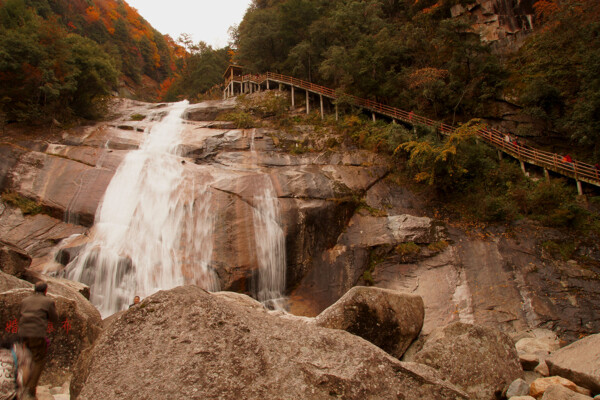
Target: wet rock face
(187, 343)
(481, 361)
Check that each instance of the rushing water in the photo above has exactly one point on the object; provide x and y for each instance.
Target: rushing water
(153, 230)
(270, 249)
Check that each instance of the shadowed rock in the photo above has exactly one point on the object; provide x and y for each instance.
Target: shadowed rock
(13, 260)
(389, 319)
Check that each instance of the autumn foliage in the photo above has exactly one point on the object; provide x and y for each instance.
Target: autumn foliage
(43, 45)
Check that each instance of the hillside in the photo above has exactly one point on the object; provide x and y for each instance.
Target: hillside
(61, 58)
(527, 67)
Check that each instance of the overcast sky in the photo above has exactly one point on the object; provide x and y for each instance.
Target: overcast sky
(203, 19)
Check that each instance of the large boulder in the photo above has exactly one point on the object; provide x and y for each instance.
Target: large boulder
(78, 326)
(579, 362)
(9, 282)
(13, 260)
(389, 319)
(188, 343)
(480, 360)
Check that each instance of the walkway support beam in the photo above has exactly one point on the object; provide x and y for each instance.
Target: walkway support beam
(307, 104)
(322, 111)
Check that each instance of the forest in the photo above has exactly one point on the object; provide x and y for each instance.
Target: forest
(416, 56)
(61, 59)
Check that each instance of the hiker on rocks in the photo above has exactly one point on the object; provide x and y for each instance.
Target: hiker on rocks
(36, 311)
(136, 300)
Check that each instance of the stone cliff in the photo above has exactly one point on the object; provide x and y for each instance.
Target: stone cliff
(345, 223)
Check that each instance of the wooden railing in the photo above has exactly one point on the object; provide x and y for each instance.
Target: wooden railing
(502, 141)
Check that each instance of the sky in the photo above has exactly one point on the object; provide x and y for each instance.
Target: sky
(204, 20)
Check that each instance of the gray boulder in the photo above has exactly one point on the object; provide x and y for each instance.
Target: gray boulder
(187, 343)
(579, 362)
(389, 319)
(534, 348)
(517, 388)
(480, 360)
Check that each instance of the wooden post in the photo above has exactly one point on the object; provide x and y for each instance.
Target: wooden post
(268, 88)
(280, 87)
(307, 104)
(523, 167)
(336, 112)
(373, 114)
(293, 100)
(547, 174)
(322, 111)
(499, 155)
(579, 188)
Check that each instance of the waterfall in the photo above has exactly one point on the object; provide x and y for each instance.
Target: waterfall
(153, 230)
(270, 250)
(270, 244)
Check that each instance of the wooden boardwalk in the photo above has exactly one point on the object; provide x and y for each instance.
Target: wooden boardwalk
(579, 171)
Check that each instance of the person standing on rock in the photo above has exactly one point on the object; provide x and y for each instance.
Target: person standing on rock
(36, 311)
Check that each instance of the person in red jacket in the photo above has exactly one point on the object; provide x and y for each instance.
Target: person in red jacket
(36, 311)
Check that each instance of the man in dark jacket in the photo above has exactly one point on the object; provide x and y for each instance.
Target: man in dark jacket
(36, 311)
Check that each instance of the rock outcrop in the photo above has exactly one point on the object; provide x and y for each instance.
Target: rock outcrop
(390, 320)
(481, 361)
(579, 362)
(187, 343)
(13, 260)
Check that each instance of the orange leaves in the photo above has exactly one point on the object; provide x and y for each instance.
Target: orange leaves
(231, 54)
(545, 8)
(92, 14)
(431, 9)
(165, 86)
(424, 76)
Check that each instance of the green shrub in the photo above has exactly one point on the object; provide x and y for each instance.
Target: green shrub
(497, 209)
(560, 250)
(27, 206)
(241, 119)
(438, 246)
(408, 249)
(137, 117)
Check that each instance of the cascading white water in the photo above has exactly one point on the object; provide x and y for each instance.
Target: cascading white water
(270, 249)
(270, 244)
(153, 230)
